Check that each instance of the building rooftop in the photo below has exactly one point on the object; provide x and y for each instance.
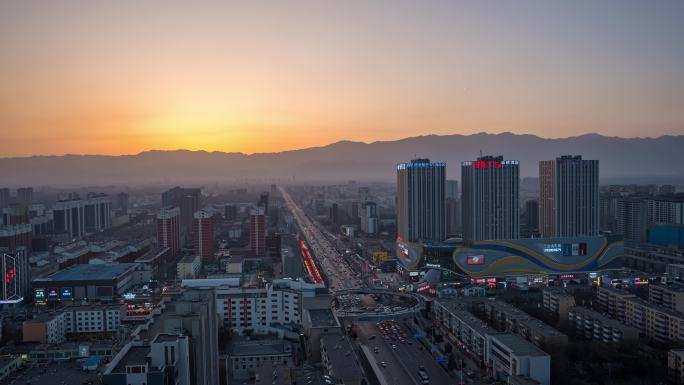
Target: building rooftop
(210, 282)
(188, 259)
(459, 308)
(90, 272)
(518, 345)
(559, 291)
(521, 317)
(675, 287)
(322, 318)
(339, 352)
(4, 360)
(136, 355)
(258, 347)
(604, 320)
(163, 337)
(152, 255)
(58, 372)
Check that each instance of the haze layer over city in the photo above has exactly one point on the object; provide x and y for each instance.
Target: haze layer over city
(341, 193)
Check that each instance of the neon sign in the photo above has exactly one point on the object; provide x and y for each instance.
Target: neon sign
(39, 294)
(9, 276)
(66, 292)
(486, 164)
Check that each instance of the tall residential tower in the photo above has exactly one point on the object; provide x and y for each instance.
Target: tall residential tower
(569, 197)
(421, 207)
(490, 198)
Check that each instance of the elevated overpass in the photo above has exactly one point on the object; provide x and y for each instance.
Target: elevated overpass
(405, 312)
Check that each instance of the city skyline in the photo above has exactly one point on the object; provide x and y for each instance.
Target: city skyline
(121, 78)
(332, 192)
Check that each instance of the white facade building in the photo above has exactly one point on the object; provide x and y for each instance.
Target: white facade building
(261, 309)
(510, 355)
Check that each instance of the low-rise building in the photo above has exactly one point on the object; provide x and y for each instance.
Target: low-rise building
(675, 365)
(655, 322)
(45, 329)
(85, 282)
(337, 357)
(509, 355)
(461, 327)
(593, 325)
(508, 318)
(9, 364)
(474, 291)
(165, 360)
(669, 296)
(558, 301)
(675, 271)
(54, 327)
(247, 355)
(613, 301)
(317, 323)
(262, 309)
(189, 267)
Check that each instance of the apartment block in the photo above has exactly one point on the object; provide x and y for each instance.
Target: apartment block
(593, 325)
(558, 301)
(461, 327)
(508, 318)
(246, 355)
(669, 296)
(510, 356)
(655, 322)
(260, 309)
(45, 329)
(675, 365)
(165, 360)
(54, 327)
(189, 267)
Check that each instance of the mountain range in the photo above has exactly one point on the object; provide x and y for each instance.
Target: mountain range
(622, 160)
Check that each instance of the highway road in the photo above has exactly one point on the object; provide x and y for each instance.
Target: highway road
(404, 362)
(335, 268)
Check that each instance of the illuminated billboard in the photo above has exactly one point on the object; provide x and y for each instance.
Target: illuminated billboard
(67, 293)
(475, 260)
(578, 249)
(486, 164)
(39, 294)
(53, 292)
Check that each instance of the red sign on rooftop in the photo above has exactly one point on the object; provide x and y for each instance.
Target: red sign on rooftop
(487, 164)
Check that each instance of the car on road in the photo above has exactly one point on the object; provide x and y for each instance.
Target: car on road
(384, 364)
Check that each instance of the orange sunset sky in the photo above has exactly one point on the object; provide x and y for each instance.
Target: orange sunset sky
(120, 77)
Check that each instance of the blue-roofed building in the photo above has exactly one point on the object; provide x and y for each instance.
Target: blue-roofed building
(93, 282)
(671, 235)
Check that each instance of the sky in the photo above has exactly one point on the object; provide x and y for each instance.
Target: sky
(121, 77)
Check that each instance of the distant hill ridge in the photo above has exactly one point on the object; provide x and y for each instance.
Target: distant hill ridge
(656, 160)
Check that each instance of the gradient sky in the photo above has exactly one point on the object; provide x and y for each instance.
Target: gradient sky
(120, 77)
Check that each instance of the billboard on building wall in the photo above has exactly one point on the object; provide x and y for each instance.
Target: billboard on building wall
(475, 260)
(39, 294)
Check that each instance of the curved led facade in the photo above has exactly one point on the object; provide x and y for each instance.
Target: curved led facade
(537, 255)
